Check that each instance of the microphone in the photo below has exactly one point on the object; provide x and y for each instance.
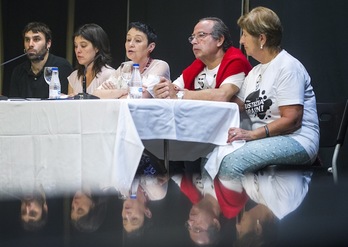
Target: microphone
(13, 59)
(40, 57)
(37, 57)
(84, 94)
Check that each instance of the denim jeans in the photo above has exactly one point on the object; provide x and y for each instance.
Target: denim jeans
(257, 154)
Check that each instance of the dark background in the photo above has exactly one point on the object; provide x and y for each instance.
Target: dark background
(314, 32)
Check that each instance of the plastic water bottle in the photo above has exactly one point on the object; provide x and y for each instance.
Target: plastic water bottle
(54, 86)
(135, 84)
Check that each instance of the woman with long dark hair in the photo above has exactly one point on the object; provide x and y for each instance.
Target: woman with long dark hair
(92, 50)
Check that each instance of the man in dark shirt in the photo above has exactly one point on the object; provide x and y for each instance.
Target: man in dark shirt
(27, 79)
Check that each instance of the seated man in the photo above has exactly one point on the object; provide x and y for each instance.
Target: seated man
(34, 210)
(27, 79)
(219, 68)
(211, 200)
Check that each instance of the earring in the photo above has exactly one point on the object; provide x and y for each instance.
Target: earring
(261, 47)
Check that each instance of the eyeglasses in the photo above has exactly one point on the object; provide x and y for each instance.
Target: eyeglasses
(194, 229)
(199, 36)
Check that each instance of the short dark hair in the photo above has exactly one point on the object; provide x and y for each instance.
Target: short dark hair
(37, 27)
(146, 29)
(220, 30)
(138, 236)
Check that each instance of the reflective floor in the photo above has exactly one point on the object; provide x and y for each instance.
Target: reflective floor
(186, 208)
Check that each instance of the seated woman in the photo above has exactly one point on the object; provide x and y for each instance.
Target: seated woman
(273, 194)
(88, 209)
(92, 50)
(136, 210)
(140, 43)
(279, 99)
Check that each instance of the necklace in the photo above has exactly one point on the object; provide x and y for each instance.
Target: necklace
(147, 64)
(263, 68)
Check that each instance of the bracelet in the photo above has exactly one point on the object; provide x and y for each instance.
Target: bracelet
(180, 94)
(267, 130)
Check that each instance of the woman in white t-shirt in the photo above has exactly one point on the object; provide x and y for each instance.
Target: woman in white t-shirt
(274, 194)
(278, 97)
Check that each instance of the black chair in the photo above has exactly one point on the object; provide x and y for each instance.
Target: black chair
(333, 123)
(341, 130)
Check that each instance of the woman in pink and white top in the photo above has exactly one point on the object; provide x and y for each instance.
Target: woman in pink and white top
(140, 43)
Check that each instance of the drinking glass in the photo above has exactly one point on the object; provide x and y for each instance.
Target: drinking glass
(126, 72)
(48, 74)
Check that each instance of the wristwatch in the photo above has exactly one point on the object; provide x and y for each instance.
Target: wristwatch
(180, 94)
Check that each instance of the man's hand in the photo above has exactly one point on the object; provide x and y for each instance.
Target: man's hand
(165, 89)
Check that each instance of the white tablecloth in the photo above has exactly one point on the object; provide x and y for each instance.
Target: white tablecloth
(193, 128)
(66, 144)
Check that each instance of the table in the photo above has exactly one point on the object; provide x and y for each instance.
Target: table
(190, 128)
(66, 144)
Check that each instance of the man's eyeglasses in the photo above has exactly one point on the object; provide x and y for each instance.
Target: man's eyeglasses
(194, 229)
(199, 36)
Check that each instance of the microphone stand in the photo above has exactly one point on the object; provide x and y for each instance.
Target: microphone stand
(13, 59)
(2, 97)
(84, 94)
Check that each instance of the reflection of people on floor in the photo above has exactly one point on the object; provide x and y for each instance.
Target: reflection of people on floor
(88, 209)
(211, 199)
(276, 194)
(34, 210)
(150, 165)
(136, 214)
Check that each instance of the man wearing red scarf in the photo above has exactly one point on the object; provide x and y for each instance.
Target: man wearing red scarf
(218, 71)
(210, 199)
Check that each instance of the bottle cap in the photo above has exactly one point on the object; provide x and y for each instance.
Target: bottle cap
(54, 68)
(135, 65)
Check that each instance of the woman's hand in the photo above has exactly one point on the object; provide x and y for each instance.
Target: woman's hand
(107, 85)
(235, 134)
(146, 93)
(290, 121)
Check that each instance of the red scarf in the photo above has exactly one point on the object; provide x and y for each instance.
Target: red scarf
(232, 63)
(231, 202)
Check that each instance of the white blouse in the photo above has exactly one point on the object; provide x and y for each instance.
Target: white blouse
(103, 75)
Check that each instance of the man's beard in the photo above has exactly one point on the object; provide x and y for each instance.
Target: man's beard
(39, 56)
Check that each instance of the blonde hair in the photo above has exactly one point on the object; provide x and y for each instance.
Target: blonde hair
(261, 20)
